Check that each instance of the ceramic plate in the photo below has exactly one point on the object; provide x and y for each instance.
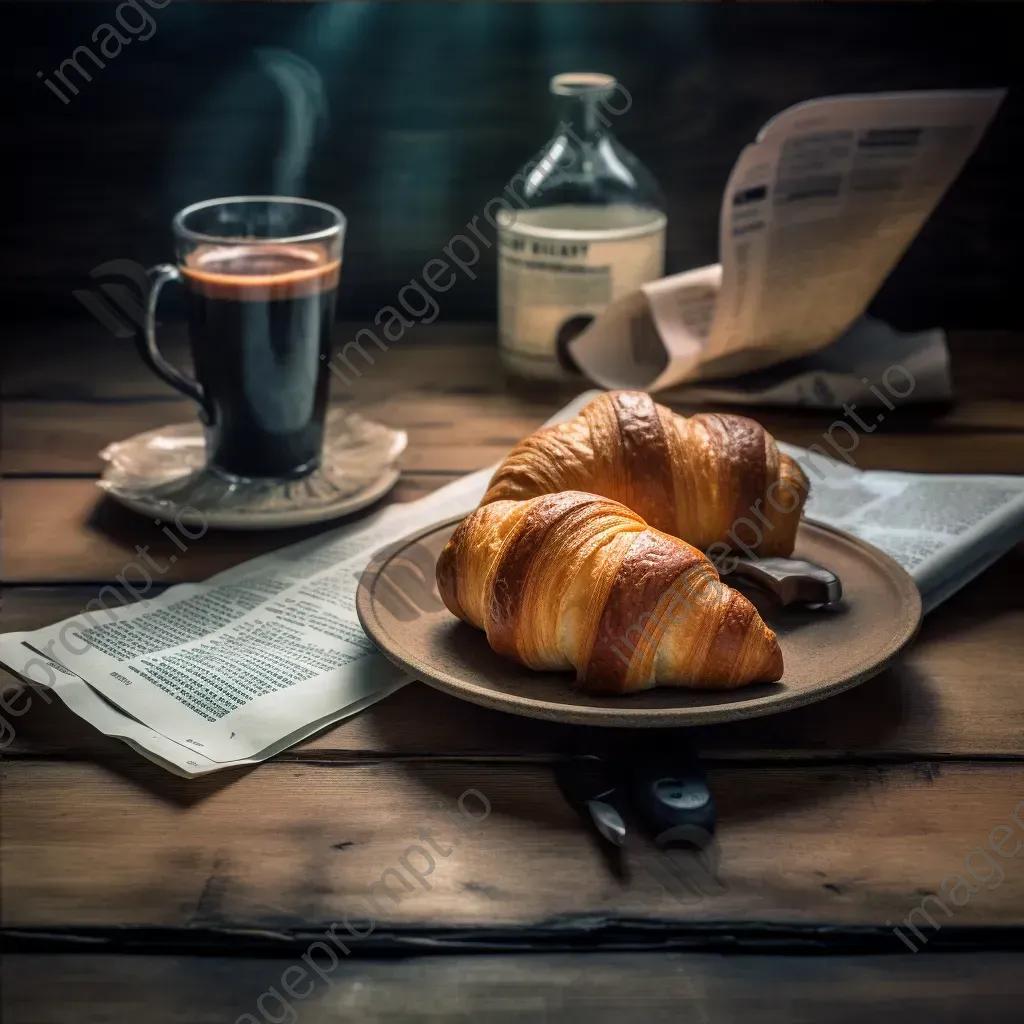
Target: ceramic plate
(826, 650)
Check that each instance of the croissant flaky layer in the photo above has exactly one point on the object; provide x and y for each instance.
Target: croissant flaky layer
(572, 580)
(709, 479)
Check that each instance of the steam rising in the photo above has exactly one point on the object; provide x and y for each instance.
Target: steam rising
(305, 114)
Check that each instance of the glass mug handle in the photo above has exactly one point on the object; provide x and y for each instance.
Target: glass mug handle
(151, 356)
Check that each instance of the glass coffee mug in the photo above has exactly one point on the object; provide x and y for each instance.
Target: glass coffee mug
(260, 273)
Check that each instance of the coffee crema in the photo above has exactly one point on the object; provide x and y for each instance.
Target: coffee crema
(252, 272)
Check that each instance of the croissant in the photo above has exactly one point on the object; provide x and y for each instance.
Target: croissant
(709, 479)
(572, 580)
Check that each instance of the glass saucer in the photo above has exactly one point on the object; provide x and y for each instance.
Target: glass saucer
(161, 472)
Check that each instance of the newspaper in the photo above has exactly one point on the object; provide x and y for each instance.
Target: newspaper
(816, 213)
(236, 669)
(943, 529)
(246, 664)
(843, 372)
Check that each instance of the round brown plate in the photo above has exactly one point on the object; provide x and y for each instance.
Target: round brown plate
(825, 650)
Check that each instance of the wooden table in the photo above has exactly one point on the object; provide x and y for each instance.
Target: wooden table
(130, 894)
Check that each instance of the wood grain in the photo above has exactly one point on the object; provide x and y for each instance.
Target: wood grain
(86, 363)
(67, 530)
(460, 433)
(601, 988)
(450, 434)
(440, 359)
(289, 846)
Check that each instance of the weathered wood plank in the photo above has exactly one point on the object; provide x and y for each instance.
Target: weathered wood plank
(956, 693)
(292, 846)
(464, 432)
(602, 988)
(63, 529)
(450, 434)
(83, 362)
(67, 530)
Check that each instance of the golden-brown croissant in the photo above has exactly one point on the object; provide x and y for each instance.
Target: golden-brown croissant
(571, 580)
(709, 479)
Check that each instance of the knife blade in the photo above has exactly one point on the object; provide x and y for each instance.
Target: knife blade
(590, 785)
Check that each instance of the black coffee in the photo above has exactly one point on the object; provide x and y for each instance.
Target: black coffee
(259, 323)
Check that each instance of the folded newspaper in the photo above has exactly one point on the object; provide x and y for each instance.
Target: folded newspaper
(238, 668)
(816, 213)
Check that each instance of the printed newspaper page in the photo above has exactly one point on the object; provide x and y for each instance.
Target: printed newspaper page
(87, 703)
(814, 217)
(230, 666)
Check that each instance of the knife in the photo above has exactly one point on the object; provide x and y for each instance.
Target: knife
(666, 790)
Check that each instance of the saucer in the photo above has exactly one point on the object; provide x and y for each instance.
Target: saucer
(161, 472)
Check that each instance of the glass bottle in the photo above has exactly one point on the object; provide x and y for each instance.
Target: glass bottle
(587, 225)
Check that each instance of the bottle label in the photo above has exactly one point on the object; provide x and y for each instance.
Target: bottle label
(559, 267)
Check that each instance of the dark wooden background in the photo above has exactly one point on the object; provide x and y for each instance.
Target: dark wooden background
(432, 106)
